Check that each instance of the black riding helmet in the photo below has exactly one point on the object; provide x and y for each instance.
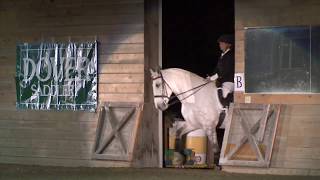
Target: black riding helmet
(226, 38)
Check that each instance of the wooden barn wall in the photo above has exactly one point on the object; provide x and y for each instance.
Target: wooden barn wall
(66, 138)
(297, 144)
(257, 13)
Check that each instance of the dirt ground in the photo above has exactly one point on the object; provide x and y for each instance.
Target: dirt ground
(21, 172)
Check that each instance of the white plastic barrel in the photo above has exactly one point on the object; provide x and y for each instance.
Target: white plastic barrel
(197, 141)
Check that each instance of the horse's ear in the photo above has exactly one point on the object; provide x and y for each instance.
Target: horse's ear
(153, 73)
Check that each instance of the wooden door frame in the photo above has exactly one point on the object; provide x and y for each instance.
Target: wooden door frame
(152, 59)
(160, 118)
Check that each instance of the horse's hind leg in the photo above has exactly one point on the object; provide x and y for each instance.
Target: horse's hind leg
(213, 146)
(212, 137)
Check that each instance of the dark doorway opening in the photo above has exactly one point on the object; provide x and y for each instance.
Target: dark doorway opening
(190, 30)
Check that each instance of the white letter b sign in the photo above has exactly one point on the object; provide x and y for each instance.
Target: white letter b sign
(239, 82)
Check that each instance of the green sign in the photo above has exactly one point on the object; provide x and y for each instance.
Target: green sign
(60, 76)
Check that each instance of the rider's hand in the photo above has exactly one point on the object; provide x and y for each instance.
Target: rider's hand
(212, 78)
(207, 78)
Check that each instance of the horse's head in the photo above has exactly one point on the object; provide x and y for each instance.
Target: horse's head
(161, 90)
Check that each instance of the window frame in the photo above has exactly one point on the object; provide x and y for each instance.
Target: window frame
(307, 93)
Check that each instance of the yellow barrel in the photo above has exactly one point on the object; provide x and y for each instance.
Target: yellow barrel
(197, 141)
(172, 138)
(172, 141)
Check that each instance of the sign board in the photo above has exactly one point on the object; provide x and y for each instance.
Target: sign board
(239, 82)
(60, 76)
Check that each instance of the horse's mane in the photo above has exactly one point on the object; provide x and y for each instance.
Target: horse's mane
(179, 71)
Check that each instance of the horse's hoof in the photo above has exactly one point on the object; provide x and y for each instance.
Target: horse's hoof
(216, 148)
(217, 168)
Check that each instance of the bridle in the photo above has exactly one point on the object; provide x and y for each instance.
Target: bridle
(164, 89)
(164, 94)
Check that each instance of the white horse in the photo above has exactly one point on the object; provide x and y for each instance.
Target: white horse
(200, 105)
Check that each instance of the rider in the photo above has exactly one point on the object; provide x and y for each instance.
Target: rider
(224, 75)
(224, 72)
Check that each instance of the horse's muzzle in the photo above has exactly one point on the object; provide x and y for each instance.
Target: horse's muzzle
(162, 106)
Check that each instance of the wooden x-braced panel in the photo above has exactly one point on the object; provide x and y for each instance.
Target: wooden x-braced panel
(117, 131)
(249, 135)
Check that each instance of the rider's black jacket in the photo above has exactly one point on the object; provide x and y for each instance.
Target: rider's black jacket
(225, 68)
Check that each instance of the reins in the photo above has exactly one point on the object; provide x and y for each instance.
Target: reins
(197, 88)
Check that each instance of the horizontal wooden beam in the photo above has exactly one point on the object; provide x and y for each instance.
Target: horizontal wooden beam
(121, 78)
(121, 97)
(278, 98)
(121, 68)
(121, 88)
(127, 58)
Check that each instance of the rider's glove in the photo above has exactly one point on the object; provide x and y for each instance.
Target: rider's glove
(212, 78)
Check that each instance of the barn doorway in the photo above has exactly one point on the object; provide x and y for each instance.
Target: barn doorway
(189, 41)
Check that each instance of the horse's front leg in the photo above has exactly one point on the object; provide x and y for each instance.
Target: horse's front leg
(183, 128)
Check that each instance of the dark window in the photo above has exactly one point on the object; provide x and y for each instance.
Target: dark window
(282, 59)
(315, 59)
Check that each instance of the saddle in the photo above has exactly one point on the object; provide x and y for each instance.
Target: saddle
(225, 102)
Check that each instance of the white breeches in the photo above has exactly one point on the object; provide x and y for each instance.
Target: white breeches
(227, 87)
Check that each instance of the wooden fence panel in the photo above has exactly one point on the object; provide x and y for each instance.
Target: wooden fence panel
(117, 131)
(250, 135)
